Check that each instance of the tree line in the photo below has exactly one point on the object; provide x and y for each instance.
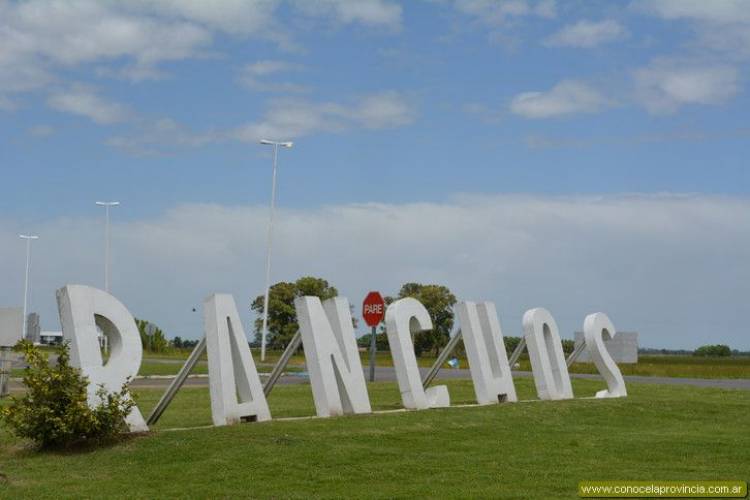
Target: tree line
(282, 320)
(282, 317)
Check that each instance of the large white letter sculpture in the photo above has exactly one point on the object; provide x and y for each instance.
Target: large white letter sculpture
(596, 329)
(231, 370)
(488, 360)
(336, 376)
(546, 355)
(82, 309)
(402, 318)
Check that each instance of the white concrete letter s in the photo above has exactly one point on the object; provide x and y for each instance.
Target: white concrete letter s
(596, 329)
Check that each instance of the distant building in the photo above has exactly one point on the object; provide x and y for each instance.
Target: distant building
(33, 329)
(11, 325)
(50, 338)
(623, 348)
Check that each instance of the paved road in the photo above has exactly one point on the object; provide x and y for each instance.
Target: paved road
(389, 374)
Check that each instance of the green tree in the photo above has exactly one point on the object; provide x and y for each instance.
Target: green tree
(510, 344)
(381, 341)
(568, 346)
(717, 350)
(439, 302)
(156, 342)
(282, 317)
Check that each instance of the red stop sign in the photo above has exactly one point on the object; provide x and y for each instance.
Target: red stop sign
(373, 309)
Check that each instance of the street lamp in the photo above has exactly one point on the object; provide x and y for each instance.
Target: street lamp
(106, 205)
(275, 145)
(28, 238)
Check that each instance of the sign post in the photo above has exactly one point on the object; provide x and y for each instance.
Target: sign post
(373, 311)
(373, 352)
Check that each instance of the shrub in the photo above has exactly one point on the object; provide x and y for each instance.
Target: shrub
(718, 350)
(54, 411)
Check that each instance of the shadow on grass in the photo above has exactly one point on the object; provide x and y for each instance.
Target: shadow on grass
(29, 449)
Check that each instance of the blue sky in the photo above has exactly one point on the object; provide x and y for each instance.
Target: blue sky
(635, 111)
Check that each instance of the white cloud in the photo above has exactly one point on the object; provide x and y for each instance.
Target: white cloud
(378, 13)
(566, 98)
(268, 67)
(669, 135)
(498, 12)
(255, 77)
(502, 18)
(384, 110)
(721, 25)
(291, 118)
(664, 85)
(6, 104)
(587, 34)
(163, 137)
(651, 262)
(39, 37)
(41, 131)
(235, 17)
(708, 74)
(486, 113)
(84, 101)
(721, 11)
(284, 119)
(132, 38)
(83, 31)
(17, 74)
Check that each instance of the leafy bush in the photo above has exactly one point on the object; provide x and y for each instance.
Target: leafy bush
(54, 411)
(717, 350)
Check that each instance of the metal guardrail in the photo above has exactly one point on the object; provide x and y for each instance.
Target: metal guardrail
(282, 363)
(442, 358)
(517, 352)
(182, 375)
(278, 369)
(512, 360)
(576, 352)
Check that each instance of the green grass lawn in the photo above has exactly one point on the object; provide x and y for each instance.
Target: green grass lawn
(523, 450)
(663, 366)
(156, 367)
(679, 366)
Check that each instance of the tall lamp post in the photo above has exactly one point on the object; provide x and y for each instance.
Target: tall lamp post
(106, 205)
(275, 145)
(28, 238)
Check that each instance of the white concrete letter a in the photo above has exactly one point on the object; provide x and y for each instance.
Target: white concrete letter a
(231, 370)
